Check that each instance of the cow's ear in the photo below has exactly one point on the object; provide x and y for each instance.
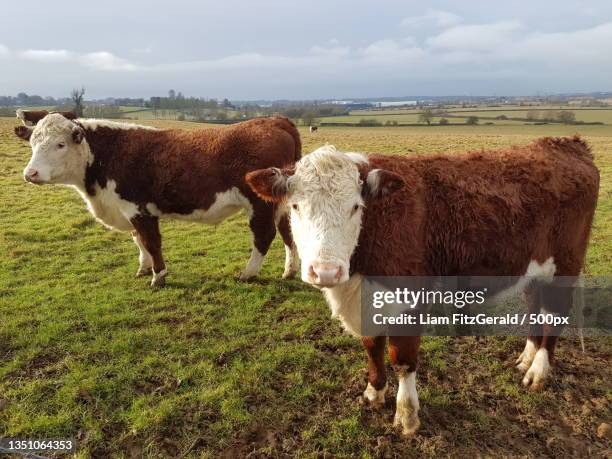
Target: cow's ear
(23, 132)
(69, 115)
(380, 183)
(77, 134)
(270, 184)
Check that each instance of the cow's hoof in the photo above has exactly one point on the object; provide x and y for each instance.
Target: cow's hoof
(246, 277)
(144, 272)
(538, 372)
(375, 398)
(159, 279)
(523, 362)
(289, 274)
(409, 424)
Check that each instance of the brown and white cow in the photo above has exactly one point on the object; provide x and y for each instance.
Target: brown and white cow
(130, 176)
(32, 117)
(313, 129)
(526, 210)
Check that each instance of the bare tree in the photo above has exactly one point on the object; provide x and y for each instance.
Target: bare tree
(308, 118)
(77, 97)
(426, 116)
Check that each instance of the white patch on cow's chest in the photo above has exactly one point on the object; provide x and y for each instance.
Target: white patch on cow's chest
(543, 272)
(226, 204)
(345, 303)
(109, 208)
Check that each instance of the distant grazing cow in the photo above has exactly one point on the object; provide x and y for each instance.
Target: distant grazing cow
(313, 129)
(496, 213)
(31, 117)
(130, 176)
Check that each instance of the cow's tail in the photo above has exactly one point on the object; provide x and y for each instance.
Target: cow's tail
(579, 308)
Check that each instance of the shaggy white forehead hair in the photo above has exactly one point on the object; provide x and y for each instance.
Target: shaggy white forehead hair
(329, 170)
(51, 125)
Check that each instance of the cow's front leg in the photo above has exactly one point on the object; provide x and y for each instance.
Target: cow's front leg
(145, 259)
(377, 375)
(147, 228)
(403, 352)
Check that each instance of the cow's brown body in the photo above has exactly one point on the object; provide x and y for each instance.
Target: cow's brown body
(488, 213)
(482, 213)
(180, 171)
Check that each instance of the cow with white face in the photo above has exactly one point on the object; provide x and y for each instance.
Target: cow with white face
(131, 176)
(356, 215)
(327, 202)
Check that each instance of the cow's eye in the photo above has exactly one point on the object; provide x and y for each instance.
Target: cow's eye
(355, 209)
(61, 145)
(295, 207)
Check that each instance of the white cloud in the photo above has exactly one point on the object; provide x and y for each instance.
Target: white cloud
(145, 50)
(478, 38)
(578, 46)
(391, 52)
(100, 60)
(47, 55)
(438, 18)
(103, 60)
(332, 51)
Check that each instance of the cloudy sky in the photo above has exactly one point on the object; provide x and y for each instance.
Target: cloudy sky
(276, 49)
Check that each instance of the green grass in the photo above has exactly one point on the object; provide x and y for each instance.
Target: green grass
(210, 366)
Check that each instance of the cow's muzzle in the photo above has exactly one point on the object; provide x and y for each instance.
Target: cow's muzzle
(324, 274)
(32, 176)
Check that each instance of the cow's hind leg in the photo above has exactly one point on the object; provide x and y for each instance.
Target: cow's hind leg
(403, 352)
(145, 267)
(148, 232)
(377, 376)
(262, 226)
(291, 255)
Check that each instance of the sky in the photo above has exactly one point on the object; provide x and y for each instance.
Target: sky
(272, 49)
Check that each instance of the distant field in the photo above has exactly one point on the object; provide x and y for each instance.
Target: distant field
(411, 116)
(212, 367)
(407, 118)
(601, 115)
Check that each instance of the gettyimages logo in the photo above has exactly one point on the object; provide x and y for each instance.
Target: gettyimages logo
(412, 298)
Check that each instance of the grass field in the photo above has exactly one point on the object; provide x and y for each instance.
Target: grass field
(212, 367)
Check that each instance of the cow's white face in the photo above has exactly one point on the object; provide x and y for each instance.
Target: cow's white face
(59, 154)
(326, 195)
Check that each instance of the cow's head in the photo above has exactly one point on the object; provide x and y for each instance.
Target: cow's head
(59, 154)
(326, 194)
